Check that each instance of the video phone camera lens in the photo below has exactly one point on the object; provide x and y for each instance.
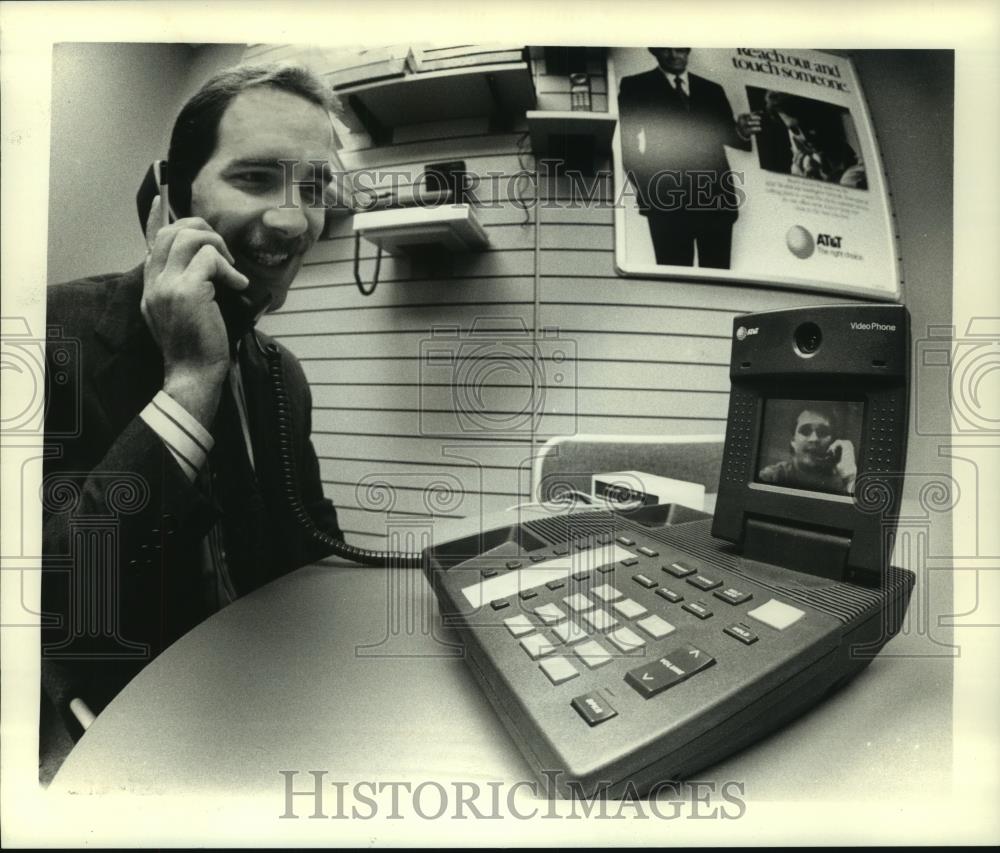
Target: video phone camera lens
(808, 337)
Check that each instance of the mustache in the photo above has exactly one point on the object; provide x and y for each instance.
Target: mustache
(274, 245)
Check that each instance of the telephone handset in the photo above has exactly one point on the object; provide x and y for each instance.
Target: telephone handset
(239, 308)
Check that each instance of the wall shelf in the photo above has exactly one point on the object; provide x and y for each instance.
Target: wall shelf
(478, 90)
(401, 230)
(545, 125)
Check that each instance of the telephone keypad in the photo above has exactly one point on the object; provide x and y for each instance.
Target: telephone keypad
(586, 636)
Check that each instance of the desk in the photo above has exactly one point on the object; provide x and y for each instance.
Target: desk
(321, 670)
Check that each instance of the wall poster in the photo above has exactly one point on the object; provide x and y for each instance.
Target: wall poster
(749, 165)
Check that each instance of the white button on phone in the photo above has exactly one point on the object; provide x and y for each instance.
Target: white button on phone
(777, 614)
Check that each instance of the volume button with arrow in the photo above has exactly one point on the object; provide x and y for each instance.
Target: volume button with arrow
(672, 668)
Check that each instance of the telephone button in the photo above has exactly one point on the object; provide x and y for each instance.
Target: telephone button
(606, 592)
(631, 561)
(624, 540)
(680, 570)
(550, 614)
(537, 646)
(499, 603)
(681, 663)
(600, 620)
(488, 573)
(558, 669)
(649, 552)
(776, 614)
(742, 633)
(578, 602)
(669, 595)
(643, 580)
(656, 627)
(527, 594)
(698, 608)
(703, 582)
(513, 564)
(629, 609)
(626, 639)
(569, 632)
(519, 625)
(732, 596)
(594, 708)
(593, 654)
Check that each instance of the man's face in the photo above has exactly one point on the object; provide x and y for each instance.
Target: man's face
(806, 135)
(811, 441)
(267, 220)
(671, 59)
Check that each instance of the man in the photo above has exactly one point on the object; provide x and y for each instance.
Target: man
(175, 450)
(815, 143)
(818, 462)
(674, 129)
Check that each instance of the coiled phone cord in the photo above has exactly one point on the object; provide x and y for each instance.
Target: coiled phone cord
(283, 422)
(369, 289)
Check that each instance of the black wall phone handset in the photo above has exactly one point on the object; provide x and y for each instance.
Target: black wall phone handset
(240, 310)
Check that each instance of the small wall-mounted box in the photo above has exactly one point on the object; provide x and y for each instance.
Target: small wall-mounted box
(400, 230)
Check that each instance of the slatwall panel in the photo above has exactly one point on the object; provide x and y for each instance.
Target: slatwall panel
(647, 356)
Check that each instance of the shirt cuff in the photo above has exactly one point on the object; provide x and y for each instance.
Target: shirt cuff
(186, 439)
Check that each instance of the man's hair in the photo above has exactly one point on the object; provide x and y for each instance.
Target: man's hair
(824, 411)
(822, 118)
(196, 130)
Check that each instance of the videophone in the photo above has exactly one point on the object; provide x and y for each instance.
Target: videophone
(621, 652)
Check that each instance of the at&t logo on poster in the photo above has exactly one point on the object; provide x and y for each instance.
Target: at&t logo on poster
(802, 244)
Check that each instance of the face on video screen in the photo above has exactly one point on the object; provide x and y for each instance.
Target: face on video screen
(811, 444)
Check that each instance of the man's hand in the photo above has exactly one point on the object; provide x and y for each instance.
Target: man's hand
(845, 465)
(185, 260)
(749, 124)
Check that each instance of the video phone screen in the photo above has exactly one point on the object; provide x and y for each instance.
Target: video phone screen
(812, 445)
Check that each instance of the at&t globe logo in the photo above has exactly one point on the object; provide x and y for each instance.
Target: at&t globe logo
(800, 242)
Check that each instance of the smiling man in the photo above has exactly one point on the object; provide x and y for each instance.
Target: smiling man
(818, 458)
(175, 448)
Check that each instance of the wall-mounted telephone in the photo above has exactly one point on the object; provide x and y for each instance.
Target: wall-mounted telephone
(240, 310)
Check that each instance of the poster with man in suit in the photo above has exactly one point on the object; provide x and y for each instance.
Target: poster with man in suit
(698, 192)
(674, 129)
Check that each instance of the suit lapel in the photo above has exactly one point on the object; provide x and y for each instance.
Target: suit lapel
(133, 373)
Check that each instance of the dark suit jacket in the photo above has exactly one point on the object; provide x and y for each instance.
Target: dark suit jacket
(124, 527)
(679, 138)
